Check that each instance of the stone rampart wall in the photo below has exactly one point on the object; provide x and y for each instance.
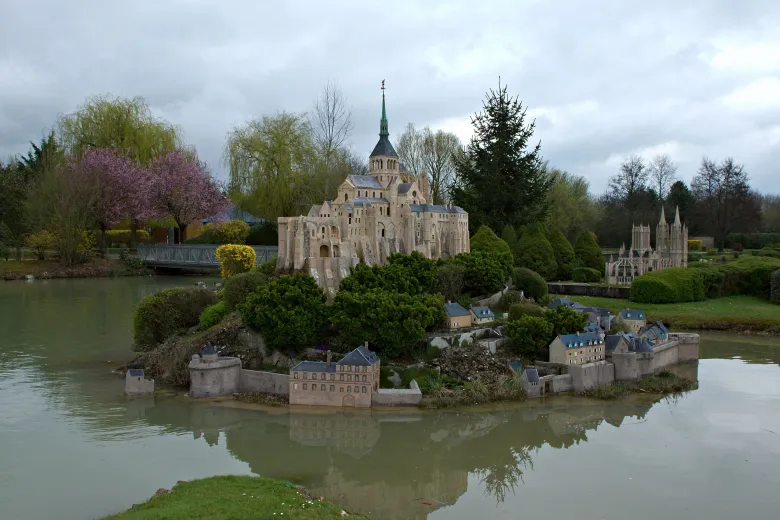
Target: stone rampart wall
(561, 383)
(214, 379)
(254, 381)
(591, 375)
(580, 289)
(398, 397)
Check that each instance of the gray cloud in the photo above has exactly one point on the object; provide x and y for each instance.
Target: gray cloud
(604, 80)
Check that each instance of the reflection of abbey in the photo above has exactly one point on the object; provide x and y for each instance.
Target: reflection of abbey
(671, 250)
(373, 216)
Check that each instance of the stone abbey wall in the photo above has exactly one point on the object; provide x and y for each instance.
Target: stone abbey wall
(258, 382)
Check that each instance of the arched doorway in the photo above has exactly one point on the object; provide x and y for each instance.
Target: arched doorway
(349, 400)
(324, 252)
(336, 252)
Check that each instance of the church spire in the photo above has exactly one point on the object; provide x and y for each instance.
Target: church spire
(383, 132)
(663, 216)
(677, 217)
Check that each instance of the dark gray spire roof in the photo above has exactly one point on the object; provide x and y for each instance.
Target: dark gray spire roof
(384, 146)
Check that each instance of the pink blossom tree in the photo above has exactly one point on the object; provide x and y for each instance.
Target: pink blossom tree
(122, 188)
(183, 190)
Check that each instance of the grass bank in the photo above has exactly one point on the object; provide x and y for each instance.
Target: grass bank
(732, 313)
(234, 498)
(45, 269)
(663, 383)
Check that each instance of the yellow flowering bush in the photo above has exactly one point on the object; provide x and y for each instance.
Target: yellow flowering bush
(694, 245)
(41, 242)
(235, 259)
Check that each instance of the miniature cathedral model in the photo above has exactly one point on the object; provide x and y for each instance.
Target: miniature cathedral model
(387, 211)
(671, 250)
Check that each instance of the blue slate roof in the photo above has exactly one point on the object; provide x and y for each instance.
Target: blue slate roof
(611, 341)
(593, 327)
(314, 366)
(629, 314)
(635, 343)
(557, 302)
(434, 208)
(404, 188)
(483, 312)
(654, 333)
(516, 366)
(368, 201)
(364, 181)
(661, 326)
(585, 338)
(532, 375)
(455, 309)
(135, 372)
(360, 356)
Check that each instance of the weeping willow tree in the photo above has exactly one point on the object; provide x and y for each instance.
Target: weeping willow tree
(277, 170)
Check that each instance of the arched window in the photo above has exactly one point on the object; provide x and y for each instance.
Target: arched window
(373, 194)
(345, 197)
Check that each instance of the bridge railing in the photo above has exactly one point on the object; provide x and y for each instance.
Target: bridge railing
(192, 255)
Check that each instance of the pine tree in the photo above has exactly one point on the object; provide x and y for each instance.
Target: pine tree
(499, 178)
(509, 236)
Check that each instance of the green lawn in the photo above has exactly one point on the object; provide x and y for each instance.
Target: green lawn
(234, 498)
(731, 313)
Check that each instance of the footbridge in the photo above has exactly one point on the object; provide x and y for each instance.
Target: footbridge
(192, 256)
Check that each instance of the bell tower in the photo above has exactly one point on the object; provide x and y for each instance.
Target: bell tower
(383, 162)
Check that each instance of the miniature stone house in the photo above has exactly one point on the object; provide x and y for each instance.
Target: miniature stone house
(136, 384)
(577, 349)
(458, 317)
(481, 315)
(633, 320)
(531, 384)
(348, 382)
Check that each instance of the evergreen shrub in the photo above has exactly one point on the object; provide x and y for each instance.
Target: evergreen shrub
(485, 241)
(263, 234)
(775, 287)
(213, 314)
(518, 310)
(536, 253)
(168, 312)
(749, 275)
(564, 254)
(238, 287)
(585, 275)
(530, 282)
(235, 259)
(587, 252)
(675, 285)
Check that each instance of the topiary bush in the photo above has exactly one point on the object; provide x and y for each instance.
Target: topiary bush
(518, 310)
(530, 282)
(213, 314)
(235, 259)
(775, 287)
(168, 312)
(238, 287)
(675, 285)
(587, 252)
(536, 253)
(485, 241)
(564, 255)
(585, 275)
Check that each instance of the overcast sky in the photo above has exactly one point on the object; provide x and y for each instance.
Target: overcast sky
(604, 79)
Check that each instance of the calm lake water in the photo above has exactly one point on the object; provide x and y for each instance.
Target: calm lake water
(72, 447)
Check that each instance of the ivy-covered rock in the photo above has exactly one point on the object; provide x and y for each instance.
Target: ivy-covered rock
(485, 241)
(290, 312)
(536, 253)
(587, 252)
(395, 323)
(530, 282)
(564, 254)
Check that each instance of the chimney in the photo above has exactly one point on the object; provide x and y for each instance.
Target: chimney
(578, 333)
(366, 345)
(449, 301)
(328, 359)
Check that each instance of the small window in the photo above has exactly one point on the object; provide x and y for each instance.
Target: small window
(349, 378)
(313, 388)
(322, 376)
(333, 377)
(295, 375)
(349, 389)
(322, 387)
(306, 375)
(364, 389)
(364, 379)
(305, 386)
(341, 377)
(332, 388)
(295, 386)
(357, 389)
(341, 389)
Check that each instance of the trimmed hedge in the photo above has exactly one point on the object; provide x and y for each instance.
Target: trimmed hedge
(750, 275)
(486, 241)
(585, 275)
(238, 287)
(168, 312)
(536, 253)
(530, 282)
(518, 310)
(694, 245)
(775, 287)
(675, 285)
(213, 314)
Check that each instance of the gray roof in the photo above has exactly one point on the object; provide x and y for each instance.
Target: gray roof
(632, 314)
(634, 342)
(532, 375)
(384, 147)
(135, 372)
(482, 312)
(314, 366)
(364, 181)
(368, 201)
(556, 302)
(455, 309)
(592, 327)
(360, 356)
(574, 340)
(611, 341)
(435, 208)
(405, 187)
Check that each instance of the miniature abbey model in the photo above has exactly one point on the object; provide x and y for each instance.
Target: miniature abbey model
(373, 216)
(671, 250)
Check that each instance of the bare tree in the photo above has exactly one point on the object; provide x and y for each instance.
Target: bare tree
(330, 120)
(628, 186)
(438, 151)
(410, 149)
(663, 173)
